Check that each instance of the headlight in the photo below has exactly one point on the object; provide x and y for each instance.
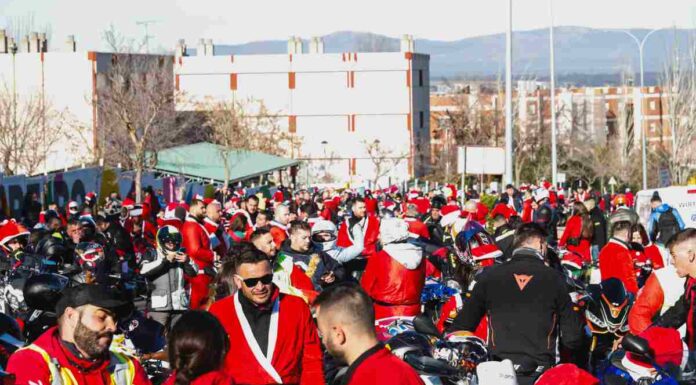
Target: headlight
(594, 319)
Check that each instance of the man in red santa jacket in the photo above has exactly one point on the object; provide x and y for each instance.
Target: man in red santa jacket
(279, 224)
(416, 227)
(615, 259)
(196, 240)
(369, 224)
(211, 222)
(274, 337)
(346, 320)
(395, 276)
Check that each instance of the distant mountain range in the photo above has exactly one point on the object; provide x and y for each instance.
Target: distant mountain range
(583, 55)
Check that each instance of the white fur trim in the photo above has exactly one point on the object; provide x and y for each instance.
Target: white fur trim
(264, 361)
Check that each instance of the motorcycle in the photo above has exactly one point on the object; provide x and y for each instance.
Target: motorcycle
(607, 305)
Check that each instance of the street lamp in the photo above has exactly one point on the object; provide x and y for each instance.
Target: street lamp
(13, 50)
(641, 45)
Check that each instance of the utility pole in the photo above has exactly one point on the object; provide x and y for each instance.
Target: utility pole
(146, 39)
(508, 95)
(552, 64)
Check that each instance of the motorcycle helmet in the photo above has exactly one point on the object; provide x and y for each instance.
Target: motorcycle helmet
(471, 350)
(437, 202)
(14, 297)
(623, 215)
(609, 308)
(319, 231)
(474, 245)
(113, 209)
(42, 291)
(169, 239)
(409, 342)
(89, 254)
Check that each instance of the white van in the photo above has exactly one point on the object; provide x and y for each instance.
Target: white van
(681, 198)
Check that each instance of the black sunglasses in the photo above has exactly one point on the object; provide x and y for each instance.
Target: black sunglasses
(252, 282)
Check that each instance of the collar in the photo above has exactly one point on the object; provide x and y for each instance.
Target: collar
(528, 252)
(247, 305)
(278, 224)
(75, 358)
(619, 242)
(363, 357)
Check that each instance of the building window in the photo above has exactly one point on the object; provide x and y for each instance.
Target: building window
(420, 78)
(421, 118)
(653, 127)
(653, 105)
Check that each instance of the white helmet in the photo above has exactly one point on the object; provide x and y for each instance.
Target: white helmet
(324, 226)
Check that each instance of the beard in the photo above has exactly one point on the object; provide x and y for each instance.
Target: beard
(89, 341)
(336, 353)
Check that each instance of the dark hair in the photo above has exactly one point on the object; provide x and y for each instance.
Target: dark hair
(308, 208)
(249, 256)
(224, 280)
(265, 214)
(74, 222)
(195, 202)
(296, 226)
(682, 236)
(526, 232)
(258, 233)
(353, 301)
(358, 199)
(622, 226)
(587, 224)
(655, 197)
(238, 223)
(197, 345)
(252, 198)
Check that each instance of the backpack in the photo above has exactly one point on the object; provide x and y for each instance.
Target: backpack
(667, 226)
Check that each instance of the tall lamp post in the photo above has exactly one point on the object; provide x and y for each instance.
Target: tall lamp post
(13, 49)
(552, 65)
(508, 95)
(641, 45)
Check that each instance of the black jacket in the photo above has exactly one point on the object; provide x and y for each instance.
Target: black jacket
(504, 235)
(526, 302)
(599, 236)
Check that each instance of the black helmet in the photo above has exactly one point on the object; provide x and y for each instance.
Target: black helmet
(168, 234)
(408, 342)
(437, 202)
(42, 291)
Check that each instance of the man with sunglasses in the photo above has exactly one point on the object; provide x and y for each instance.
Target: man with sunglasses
(275, 338)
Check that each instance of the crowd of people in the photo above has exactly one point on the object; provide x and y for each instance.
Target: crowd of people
(292, 288)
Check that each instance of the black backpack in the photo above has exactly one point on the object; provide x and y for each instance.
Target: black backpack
(667, 226)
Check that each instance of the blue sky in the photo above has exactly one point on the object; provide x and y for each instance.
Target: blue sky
(234, 21)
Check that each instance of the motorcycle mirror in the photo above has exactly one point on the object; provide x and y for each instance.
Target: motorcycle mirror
(636, 345)
(422, 324)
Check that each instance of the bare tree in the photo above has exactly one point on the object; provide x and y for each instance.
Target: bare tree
(118, 42)
(679, 85)
(246, 125)
(29, 127)
(383, 159)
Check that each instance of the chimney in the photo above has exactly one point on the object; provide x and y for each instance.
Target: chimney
(180, 49)
(291, 45)
(200, 49)
(209, 48)
(43, 42)
(4, 48)
(316, 45)
(70, 45)
(407, 43)
(298, 45)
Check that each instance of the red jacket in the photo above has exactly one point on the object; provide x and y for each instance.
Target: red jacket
(29, 367)
(449, 312)
(196, 240)
(371, 205)
(370, 229)
(417, 227)
(573, 229)
(279, 233)
(377, 366)
(394, 286)
(216, 377)
(661, 291)
(296, 356)
(650, 253)
(616, 261)
(527, 211)
(504, 210)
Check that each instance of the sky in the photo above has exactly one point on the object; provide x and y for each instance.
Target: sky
(234, 21)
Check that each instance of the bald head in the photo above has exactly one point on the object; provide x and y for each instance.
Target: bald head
(282, 214)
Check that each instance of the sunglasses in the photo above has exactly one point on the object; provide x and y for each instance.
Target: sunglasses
(252, 282)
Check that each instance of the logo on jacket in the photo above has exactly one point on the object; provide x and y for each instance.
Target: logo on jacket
(522, 280)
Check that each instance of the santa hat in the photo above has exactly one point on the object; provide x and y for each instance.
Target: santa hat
(413, 194)
(90, 196)
(546, 184)
(136, 211)
(449, 213)
(208, 201)
(128, 203)
(566, 374)
(572, 260)
(169, 210)
(389, 205)
(9, 229)
(524, 187)
(667, 348)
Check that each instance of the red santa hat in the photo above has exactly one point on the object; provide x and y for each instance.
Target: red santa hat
(524, 187)
(169, 210)
(90, 196)
(546, 184)
(413, 194)
(389, 205)
(449, 213)
(572, 260)
(485, 251)
(566, 374)
(9, 229)
(128, 203)
(208, 201)
(667, 346)
(136, 211)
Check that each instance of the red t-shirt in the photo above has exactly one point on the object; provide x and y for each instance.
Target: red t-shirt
(378, 366)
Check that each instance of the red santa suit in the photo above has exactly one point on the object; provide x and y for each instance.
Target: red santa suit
(573, 230)
(417, 228)
(377, 366)
(370, 226)
(196, 240)
(661, 291)
(616, 261)
(649, 253)
(527, 211)
(371, 205)
(215, 233)
(394, 279)
(449, 312)
(294, 353)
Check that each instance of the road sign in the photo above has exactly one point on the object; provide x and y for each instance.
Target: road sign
(561, 177)
(612, 181)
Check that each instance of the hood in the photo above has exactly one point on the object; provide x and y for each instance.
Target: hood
(393, 230)
(663, 208)
(410, 256)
